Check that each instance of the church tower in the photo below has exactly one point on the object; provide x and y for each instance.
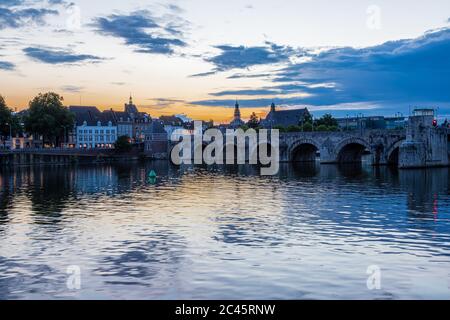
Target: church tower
(237, 111)
(237, 121)
(272, 107)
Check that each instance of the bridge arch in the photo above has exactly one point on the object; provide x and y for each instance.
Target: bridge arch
(351, 150)
(303, 150)
(392, 152)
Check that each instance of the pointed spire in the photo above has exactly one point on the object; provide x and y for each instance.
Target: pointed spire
(272, 107)
(131, 99)
(237, 112)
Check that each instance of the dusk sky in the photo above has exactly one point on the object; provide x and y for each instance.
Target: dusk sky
(198, 56)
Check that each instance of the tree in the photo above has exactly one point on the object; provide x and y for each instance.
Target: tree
(48, 117)
(307, 127)
(327, 120)
(322, 127)
(123, 144)
(5, 118)
(333, 128)
(253, 122)
(294, 129)
(9, 123)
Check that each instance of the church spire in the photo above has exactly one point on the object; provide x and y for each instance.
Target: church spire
(131, 99)
(237, 111)
(272, 107)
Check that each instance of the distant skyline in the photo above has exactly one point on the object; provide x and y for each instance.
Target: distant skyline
(197, 56)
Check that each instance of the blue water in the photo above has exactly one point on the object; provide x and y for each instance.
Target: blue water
(310, 232)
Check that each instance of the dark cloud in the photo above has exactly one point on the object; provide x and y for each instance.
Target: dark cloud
(203, 74)
(241, 57)
(407, 70)
(246, 92)
(163, 102)
(11, 3)
(413, 72)
(12, 18)
(142, 31)
(72, 88)
(4, 65)
(249, 76)
(247, 103)
(58, 56)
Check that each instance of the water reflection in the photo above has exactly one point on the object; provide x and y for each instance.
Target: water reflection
(222, 231)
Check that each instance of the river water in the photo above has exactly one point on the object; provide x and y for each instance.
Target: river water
(311, 232)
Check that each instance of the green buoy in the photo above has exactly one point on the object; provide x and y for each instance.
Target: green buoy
(152, 177)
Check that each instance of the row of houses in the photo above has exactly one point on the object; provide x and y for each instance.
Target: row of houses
(101, 129)
(96, 129)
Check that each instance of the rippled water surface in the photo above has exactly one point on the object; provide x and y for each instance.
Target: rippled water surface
(310, 232)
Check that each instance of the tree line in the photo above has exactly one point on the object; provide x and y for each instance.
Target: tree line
(326, 123)
(46, 117)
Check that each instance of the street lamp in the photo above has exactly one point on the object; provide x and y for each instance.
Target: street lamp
(65, 135)
(10, 133)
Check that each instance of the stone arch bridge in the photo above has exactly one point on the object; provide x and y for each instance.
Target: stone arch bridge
(418, 146)
(382, 146)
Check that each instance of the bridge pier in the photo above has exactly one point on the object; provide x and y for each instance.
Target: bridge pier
(425, 145)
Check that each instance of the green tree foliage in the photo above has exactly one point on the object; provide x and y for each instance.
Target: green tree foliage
(48, 117)
(294, 129)
(9, 123)
(5, 117)
(254, 121)
(321, 127)
(333, 128)
(307, 127)
(123, 144)
(326, 120)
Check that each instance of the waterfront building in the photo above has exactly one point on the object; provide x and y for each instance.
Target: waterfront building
(156, 140)
(140, 121)
(124, 123)
(94, 129)
(237, 121)
(285, 118)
